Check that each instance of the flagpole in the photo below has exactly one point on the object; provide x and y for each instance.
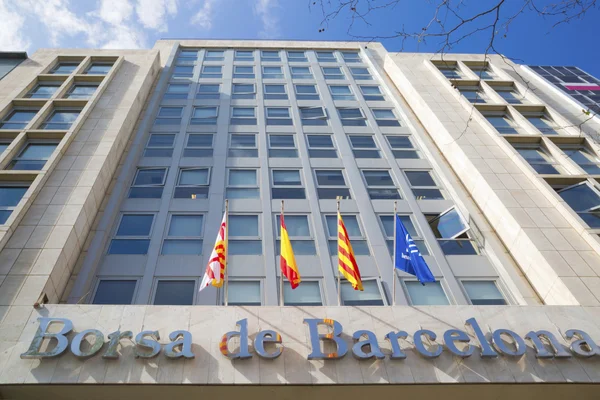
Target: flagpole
(280, 280)
(225, 278)
(394, 261)
(339, 279)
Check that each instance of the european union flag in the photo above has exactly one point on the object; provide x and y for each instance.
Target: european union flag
(408, 256)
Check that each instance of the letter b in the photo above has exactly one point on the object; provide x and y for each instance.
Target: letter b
(42, 333)
(316, 338)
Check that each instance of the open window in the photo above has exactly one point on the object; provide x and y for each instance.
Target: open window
(452, 233)
(584, 199)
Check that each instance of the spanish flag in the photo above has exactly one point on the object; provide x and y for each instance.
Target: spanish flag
(215, 270)
(346, 262)
(289, 269)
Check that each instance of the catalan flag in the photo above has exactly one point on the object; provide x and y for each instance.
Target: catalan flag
(346, 262)
(215, 270)
(289, 269)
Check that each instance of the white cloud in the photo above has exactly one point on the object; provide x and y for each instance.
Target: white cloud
(122, 37)
(270, 24)
(115, 11)
(153, 14)
(11, 33)
(203, 18)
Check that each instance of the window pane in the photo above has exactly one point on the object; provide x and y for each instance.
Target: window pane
(135, 225)
(369, 297)
(448, 225)
(400, 142)
(243, 112)
(244, 293)
(306, 294)
(243, 225)
(11, 195)
(296, 225)
(316, 112)
(363, 142)
(182, 247)
(114, 292)
(281, 140)
(581, 197)
(242, 177)
(330, 178)
(205, 112)
(129, 246)
(383, 114)
(320, 141)
(205, 88)
(378, 178)
(174, 293)
(420, 178)
(160, 140)
(285, 177)
(37, 151)
(243, 140)
(278, 112)
(150, 177)
(306, 89)
(430, 294)
(350, 113)
(245, 247)
(340, 89)
(388, 225)
(193, 177)
(483, 293)
(275, 89)
(185, 225)
(200, 140)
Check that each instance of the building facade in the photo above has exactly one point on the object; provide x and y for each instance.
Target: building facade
(118, 166)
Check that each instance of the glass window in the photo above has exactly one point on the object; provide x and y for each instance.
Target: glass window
(352, 117)
(299, 232)
(483, 293)
(159, 145)
(482, 71)
(370, 296)
(333, 73)
(214, 55)
(133, 234)
(452, 233)
(423, 185)
(64, 68)
(296, 56)
(403, 147)
(387, 222)
(306, 92)
(169, 116)
(275, 92)
(148, 183)
(510, 94)
(450, 71)
(385, 117)
(351, 56)
(244, 236)
(114, 292)
(313, 116)
(287, 184)
(503, 123)
(242, 184)
(306, 294)
(584, 157)
(60, 119)
(33, 157)
(244, 55)
(243, 116)
(174, 293)
(361, 73)
(204, 116)
(431, 294)
(341, 92)
(363, 146)
(272, 73)
(243, 145)
(183, 72)
(243, 91)
(82, 91)
(282, 146)
(474, 94)
(357, 239)
(331, 184)
(244, 293)
(17, 119)
(199, 145)
(43, 90)
(3, 146)
(326, 56)
(184, 235)
(10, 196)
(278, 116)
(270, 55)
(97, 68)
(212, 71)
(243, 71)
(584, 199)
(321, 146)
(544, 124)
(539, 159)
(187, 56)
(371, 93)
(380, 185)
(301, 73)
(208, 91)
(192, 184)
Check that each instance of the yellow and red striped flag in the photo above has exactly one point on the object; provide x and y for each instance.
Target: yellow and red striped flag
(289, 269)
(215, 270)
(346, 262)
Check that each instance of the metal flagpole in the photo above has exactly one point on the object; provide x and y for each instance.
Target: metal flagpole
(339, 278)
(281, 271)
(394, 261)
(225, 278)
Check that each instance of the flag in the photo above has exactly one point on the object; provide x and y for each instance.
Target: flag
(346, 262)
(408, 257)
(289, 269)
(215, 270)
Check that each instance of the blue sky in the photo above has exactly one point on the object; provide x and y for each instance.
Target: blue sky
(32, 24)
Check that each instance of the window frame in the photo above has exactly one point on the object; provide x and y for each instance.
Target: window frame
(367, 150)
(333, 76)
(56, 66)
(166, 237)
(161, 185)
(200, 148)
(396, 151)
(433, 177)
(376, 188)
(244, 75)
(183, 75)
(238, 57)
(368, 76)
(102, 63)
(24, 147)
(148, 147)
(321, 149)
(179, 185)
(366, 96)
(292, 150)
(287, 187)
(203, 121)
(255, 186)
(296, 59)
(164, 119)
(214, 58)
(114, 278)
(326, 187)
(264, 58)
(314, 121)
(346, 120)
(342, 97)
(275, 96)
(247, 95)
(324, 59)
(115, 234)
(242, 120)
(208, 95)
(307, 96)
(303, 75)
(393, 121)
(211, 75)
(240, 239)
(279, 75)
(255, 147)
(278, 120)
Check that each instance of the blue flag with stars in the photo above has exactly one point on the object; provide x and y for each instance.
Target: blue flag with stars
(408, 256)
